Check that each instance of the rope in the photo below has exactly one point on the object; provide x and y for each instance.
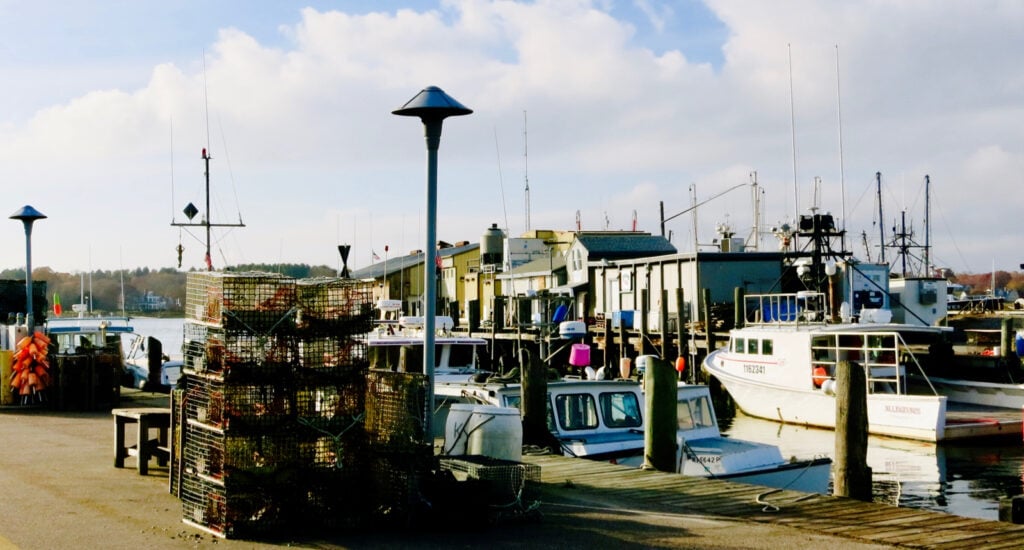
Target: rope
(768, 506)
(338, 445)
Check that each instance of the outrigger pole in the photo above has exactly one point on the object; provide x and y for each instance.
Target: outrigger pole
(191, 211)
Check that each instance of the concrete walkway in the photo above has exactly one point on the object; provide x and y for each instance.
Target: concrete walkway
(61, 490)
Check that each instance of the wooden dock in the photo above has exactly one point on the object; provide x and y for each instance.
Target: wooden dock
(876, 523)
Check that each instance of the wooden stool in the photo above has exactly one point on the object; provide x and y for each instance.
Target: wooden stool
(144, 448)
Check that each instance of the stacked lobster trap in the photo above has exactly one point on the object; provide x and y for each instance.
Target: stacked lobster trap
(273, 407)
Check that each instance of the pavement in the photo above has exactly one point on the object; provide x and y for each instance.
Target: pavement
(61, 490)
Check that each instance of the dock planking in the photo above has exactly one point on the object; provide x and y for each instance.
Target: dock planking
(880, 523)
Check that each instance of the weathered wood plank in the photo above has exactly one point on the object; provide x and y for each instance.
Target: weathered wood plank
(866, 521)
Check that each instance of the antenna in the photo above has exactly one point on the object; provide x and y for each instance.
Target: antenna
(755, 232)
(881, 220)
(526, 169)
(842, 170)
(792, 125)
(501, 183)
(927, 226)
(190, 209)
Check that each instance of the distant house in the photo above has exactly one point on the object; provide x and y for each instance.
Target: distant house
(151, 302)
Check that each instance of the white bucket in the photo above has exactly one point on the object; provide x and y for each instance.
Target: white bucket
(485, 430)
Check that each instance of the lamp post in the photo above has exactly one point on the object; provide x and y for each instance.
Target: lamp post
(432, 105)
(27, 215)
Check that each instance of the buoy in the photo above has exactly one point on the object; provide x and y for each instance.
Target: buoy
(680, 364)
(820, 376)
(57, 310)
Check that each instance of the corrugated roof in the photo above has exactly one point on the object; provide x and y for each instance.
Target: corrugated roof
(617, 247)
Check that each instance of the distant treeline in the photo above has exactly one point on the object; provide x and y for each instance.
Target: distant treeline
(105, 287)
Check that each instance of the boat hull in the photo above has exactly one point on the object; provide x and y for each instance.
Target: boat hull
(1006, 396)
(808, 476)
(921, 419)
(905, 416)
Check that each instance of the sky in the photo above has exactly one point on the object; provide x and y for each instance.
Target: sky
(605, 109)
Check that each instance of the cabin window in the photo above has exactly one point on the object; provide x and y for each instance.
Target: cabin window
(620, 410)
(460, 356)
(515, 401)
(576, 411)
(766, 347)
(738, 345)
(752, 346)
(695, 413)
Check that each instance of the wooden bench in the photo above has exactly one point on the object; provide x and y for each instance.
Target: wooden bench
(144, 448)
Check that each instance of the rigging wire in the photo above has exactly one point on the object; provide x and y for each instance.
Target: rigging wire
(501, 183)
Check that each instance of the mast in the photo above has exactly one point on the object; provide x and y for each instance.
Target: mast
(927, 226)
(206, 221)
(526, 176)
(881, 221)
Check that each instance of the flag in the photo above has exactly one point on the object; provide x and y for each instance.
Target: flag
(376, 258)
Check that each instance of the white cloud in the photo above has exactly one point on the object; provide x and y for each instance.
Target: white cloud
(301, 130)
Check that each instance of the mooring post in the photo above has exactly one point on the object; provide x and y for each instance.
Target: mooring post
(623, 344)
(682, 336)
(663, 323)
(1011, 509)
(739, 310)
(609, 344)
(660, 409)
(642, 348)
(535, 392)
(709, 341)
(1006, 337)
(851, 472)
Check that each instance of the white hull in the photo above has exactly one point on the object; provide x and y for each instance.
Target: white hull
(1007, 396)
(808, 476)
(905, 416)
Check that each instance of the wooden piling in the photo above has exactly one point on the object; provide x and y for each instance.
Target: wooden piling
(851, 472)
(534, 400)
(739, 315)
(663, 322)
(642, 347)
(682, 336)
(708, 336)
(623, 342)
(609, 345)
(660, 409)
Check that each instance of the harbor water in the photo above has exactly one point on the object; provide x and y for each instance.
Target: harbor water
(964, 479)
(961, 479)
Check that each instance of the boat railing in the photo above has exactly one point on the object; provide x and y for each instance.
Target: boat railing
(807, 307)
(884, 356)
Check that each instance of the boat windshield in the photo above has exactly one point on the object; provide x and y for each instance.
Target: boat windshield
(620, 409)
(579, 411)
(695, 413)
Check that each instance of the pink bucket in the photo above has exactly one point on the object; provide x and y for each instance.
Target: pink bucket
(579, 355)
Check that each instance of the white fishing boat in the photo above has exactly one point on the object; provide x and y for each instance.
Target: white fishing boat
(604, 420)
(397, 343)
(977, 370)
(781, 366)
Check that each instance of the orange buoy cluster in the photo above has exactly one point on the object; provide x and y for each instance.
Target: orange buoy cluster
(31, 369)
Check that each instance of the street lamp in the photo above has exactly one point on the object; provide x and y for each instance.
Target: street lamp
(27, 215)
(432, 105)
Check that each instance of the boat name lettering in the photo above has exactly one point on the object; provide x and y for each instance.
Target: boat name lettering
(753, 369)
(902, 409)
(709, 459)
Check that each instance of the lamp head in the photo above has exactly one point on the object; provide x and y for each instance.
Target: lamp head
(431, 103)
(27, 214)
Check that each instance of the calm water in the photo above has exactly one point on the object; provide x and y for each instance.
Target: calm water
(170, 332)
(958, 479)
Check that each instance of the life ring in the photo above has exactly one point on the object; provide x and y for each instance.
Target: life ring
(820, 376)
